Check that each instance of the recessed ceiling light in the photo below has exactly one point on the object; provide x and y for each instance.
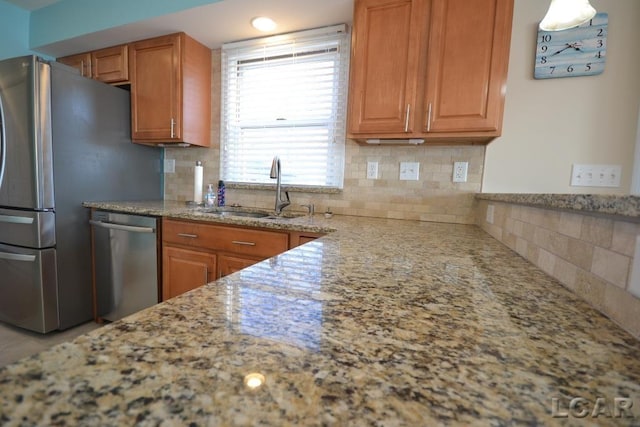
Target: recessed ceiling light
(262, 23)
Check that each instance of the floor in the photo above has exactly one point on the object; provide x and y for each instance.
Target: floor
(16, 343)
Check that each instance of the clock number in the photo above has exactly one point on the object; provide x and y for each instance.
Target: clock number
(544, 48)
(599, 54)
(600, 32)
(553, 68)
(543, 59)
(546, 38)
(600, 43)
(570, 69)
(588, 66)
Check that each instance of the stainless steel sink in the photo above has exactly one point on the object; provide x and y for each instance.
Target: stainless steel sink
(250, 213)
(242, 213)
(247, 213)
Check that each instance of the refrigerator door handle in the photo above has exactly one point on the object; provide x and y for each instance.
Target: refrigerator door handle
(3, 141)
(16, 219)
(113, 226)
(17, 257)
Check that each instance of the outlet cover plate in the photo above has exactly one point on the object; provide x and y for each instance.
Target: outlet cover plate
(460, 171)
(372, 170)
(409, 171)
(596, 175)
(169, 165)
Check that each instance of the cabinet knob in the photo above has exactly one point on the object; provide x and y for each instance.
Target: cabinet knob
(173, 123)
(429, 118)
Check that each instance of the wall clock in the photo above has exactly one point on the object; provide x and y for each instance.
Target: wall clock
(579, 51)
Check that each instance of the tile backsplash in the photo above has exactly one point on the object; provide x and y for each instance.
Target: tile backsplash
(434, 197)
(590, 255)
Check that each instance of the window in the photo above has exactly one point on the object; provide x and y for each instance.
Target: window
(285, 96)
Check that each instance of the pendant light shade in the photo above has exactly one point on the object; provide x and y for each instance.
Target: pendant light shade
(563, 14)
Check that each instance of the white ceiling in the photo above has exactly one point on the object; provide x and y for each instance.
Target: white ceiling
(212, 24)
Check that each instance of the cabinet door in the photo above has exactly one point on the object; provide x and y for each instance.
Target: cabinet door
(467, 65)
(82, 62)
(185, 269)
(111, 65)
(156, 96)
(384, 65)
(228, 264)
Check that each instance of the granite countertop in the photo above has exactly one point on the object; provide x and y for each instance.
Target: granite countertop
(382, 322)
(627, 207)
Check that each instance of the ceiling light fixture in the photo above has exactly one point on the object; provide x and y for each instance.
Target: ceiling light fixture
(564, 14)
(262, 23)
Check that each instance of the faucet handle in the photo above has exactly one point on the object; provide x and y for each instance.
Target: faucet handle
(310, 207)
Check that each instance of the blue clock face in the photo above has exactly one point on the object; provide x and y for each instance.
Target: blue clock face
(579, 51)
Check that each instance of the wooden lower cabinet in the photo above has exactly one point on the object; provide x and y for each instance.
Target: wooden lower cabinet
(228, 264)
(185, 269)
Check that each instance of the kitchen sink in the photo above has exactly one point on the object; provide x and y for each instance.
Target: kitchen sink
(243, 213)
(247, 213)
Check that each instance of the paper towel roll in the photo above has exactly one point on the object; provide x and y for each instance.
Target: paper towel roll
(197, 182)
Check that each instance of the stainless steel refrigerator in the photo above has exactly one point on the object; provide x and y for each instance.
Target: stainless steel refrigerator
(64, 139)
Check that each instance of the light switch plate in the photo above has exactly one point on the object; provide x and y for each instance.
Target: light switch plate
(596, 175)
(409, 171)
(169, 165)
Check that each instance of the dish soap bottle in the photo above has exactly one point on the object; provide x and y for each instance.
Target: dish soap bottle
(221, 191)
(210, 198)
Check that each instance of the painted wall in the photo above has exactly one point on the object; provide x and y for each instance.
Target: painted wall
(14, 31)
(551, 124)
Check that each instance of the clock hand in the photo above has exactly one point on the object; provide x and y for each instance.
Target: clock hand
(569, 46)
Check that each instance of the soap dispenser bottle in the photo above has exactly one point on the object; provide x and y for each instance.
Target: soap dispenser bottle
(210, 198)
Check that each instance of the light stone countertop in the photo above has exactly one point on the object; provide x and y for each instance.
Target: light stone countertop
(382, 322)
(625, 207)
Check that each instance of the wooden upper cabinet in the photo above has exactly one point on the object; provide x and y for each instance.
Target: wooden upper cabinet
(111, 65)
(384, 65)
(430, 69)
(467, 66)
(81, 61)
(170, 90)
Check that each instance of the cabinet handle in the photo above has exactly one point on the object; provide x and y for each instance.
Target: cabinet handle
(240, 242)
(90, 75)
(82, 68)
(190, 236)
(206, 275)
(429, 118)
(173, 123)
(407, 114)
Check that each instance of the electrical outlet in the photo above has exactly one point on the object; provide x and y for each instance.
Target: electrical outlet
(409, 171)
(596, 175)
(169, 165)
(372, 170)
(490, 209)
(634, 278)
(460, 171)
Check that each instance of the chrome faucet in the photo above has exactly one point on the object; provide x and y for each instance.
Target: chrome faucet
(275, 174)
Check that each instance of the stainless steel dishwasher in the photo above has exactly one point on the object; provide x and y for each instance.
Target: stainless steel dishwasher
(126, 263)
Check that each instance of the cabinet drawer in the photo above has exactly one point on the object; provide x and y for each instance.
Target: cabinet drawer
(252, 242)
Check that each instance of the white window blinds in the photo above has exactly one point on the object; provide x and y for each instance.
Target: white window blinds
(285, 96)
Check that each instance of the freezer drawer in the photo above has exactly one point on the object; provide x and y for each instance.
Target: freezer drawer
(126, 263)
(29, 288)
(27, 228)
